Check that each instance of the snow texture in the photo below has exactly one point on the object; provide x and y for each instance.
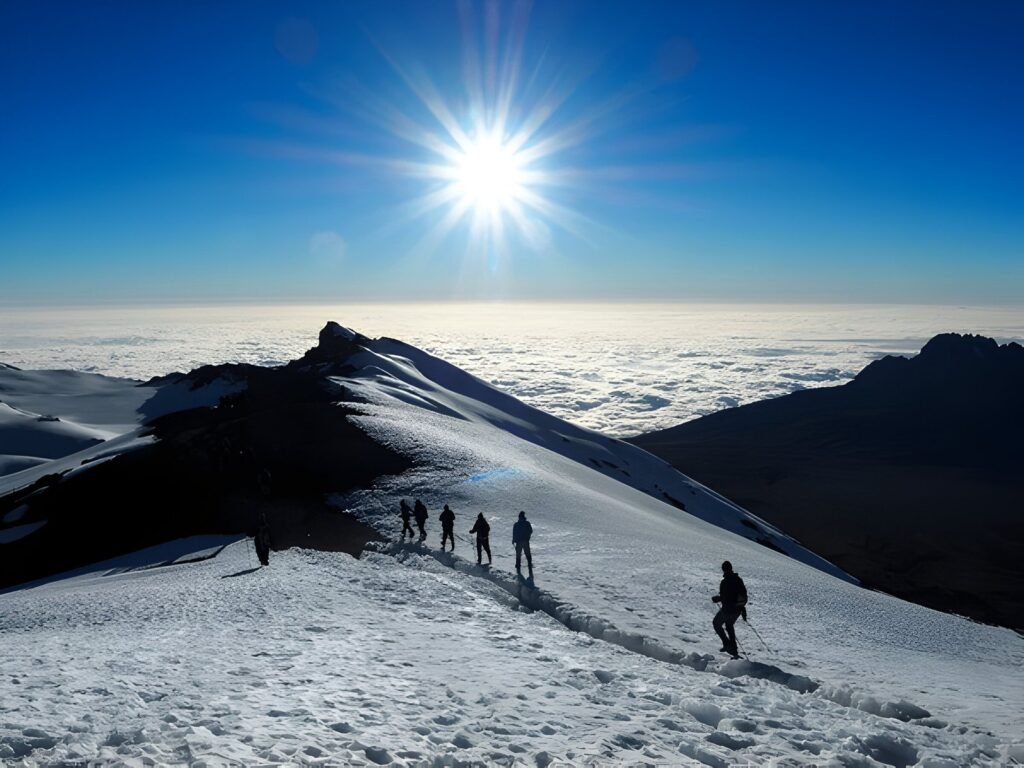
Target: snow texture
(393, 659)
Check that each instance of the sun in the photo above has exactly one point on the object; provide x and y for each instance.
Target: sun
(488, 174)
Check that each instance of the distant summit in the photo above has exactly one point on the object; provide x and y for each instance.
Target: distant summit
(949, 364)
(909, 477)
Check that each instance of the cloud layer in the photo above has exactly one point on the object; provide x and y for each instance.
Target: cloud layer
(622, 369)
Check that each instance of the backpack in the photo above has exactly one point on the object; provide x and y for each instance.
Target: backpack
(741, 597)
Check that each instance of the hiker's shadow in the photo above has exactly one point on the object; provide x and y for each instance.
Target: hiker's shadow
(240, 573)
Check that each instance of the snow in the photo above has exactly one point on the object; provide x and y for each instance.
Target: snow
(75, 462)
(391, 372)
(187, 550)
(32, 435)
(11, 464)
(623, 558)
(395, 658)
(88, 399)
(417, 657)
(55, 414)
(335, 330)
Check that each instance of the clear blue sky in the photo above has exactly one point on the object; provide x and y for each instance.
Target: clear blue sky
(793, 151)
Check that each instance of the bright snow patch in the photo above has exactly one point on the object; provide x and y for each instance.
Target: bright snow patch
(321, 658)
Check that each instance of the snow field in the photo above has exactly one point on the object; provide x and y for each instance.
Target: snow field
(648, 570)
(323, 659)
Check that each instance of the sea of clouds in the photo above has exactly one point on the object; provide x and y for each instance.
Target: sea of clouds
(619, 368)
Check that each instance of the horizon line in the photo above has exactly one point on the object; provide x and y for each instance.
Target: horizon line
(576, 301)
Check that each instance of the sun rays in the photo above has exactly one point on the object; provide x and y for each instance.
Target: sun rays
(497, 153)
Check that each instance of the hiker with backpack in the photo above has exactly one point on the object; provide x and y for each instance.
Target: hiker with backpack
(406, 513)
(420, 513)
(482, 529)
(521, 532)
(732, 598)
(447, 527)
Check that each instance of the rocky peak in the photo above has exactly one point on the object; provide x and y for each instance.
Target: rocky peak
(335, 345)
(333, 331)
(951, 361)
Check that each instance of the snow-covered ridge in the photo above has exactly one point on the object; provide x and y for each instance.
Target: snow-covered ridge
(391, 371)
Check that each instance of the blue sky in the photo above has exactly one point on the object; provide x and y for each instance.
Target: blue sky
(794, 151)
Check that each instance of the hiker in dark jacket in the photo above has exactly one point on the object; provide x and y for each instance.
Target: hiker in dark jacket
(262, 540)
(732, 597)
(482, 529)
(406, 513)
(420, 512)
(521, 533)
(447, 527)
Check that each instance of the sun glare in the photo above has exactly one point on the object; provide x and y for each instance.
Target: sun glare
(488, 175)
(490, 154)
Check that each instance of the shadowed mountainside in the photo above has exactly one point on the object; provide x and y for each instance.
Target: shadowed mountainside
(278, 447)
(909, 477)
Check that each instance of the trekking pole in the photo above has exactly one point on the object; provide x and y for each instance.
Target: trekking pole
(248, 548)
(758, 634)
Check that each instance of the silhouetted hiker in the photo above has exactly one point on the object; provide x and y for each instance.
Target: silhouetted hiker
(521, 533)
(420, 511)
(263, 540)
(732, 595)
(482, 529)
(406, 514)
(447, 527)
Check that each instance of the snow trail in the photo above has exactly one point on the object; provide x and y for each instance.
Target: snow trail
(578, 620)
(322, 659)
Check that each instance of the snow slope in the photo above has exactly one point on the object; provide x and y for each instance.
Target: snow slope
(89, 399)
(623, 559)
(392, 372)
(323, 659)
(47, 415)
(44, 437)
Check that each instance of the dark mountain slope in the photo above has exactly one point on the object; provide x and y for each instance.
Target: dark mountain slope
(278, 447)
(910, 477)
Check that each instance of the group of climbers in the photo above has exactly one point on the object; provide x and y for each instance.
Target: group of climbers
(521, 531)
(731, 597)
